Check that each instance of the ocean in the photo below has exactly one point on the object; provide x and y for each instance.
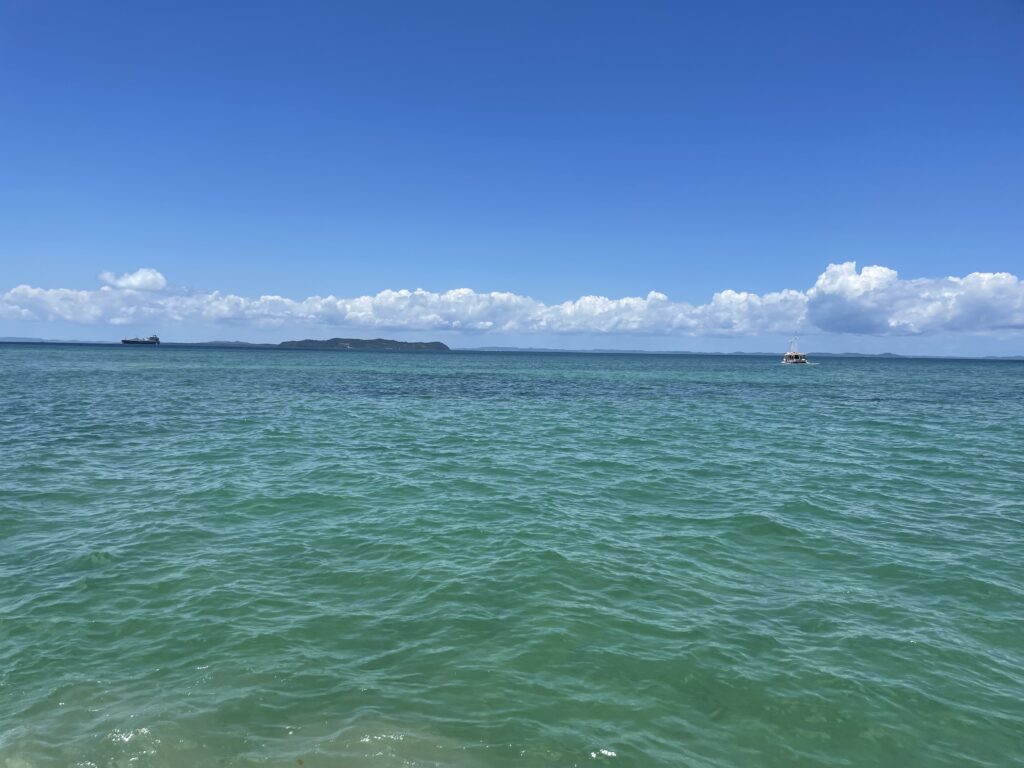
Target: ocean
(230, 557)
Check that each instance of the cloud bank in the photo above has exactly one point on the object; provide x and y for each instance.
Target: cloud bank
(873, 301)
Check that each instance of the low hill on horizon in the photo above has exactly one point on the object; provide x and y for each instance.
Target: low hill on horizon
(382, 345)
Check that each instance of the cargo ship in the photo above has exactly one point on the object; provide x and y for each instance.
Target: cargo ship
(150, 340)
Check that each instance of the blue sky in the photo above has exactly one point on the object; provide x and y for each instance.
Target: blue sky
(547, 150)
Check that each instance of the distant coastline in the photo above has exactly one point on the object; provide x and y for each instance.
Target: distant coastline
(354, 345)
(376, 345)
(392, 345)
(882, 355)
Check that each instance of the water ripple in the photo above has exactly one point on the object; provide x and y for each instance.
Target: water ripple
(245, 558)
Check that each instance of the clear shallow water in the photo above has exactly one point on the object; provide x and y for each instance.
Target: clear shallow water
(257, 558)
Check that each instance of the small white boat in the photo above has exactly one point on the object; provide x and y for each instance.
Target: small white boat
(793, 357)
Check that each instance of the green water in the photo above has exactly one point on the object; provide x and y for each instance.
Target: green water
(269, 558)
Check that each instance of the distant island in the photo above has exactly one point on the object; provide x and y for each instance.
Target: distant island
(369, 345)
(365, 345)
(376, 345)
(391, 345)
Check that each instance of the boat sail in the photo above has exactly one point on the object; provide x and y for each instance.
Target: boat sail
(793, 357)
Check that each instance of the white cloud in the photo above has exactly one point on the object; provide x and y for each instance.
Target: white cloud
(872, 301)
(875, 301)
(144, 279)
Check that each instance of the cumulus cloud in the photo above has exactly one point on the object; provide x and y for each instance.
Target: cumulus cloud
(876, 301)
(873, 300)
(144, 279)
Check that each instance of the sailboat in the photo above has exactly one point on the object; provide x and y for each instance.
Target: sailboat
(793, 357)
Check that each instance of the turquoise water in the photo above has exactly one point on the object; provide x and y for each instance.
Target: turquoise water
(269, 558)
